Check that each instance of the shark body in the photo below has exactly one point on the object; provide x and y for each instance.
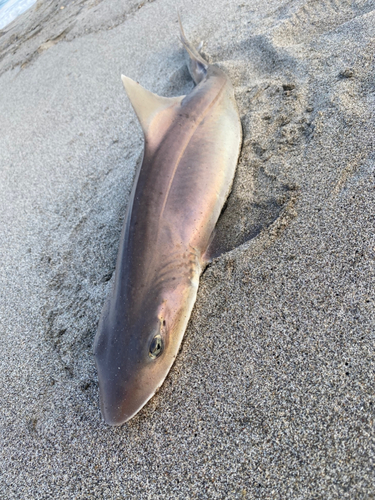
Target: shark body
(191, 149)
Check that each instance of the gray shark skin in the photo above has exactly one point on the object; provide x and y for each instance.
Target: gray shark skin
(191, 149)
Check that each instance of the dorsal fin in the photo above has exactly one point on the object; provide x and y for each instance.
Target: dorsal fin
(146, 104)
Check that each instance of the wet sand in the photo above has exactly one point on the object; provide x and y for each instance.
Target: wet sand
(272, 394)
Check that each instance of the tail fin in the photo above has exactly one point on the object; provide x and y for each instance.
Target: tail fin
(197, 65)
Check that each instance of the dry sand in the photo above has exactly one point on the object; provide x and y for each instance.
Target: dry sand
(272, 395)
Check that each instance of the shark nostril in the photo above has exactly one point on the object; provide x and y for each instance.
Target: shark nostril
(156, 347)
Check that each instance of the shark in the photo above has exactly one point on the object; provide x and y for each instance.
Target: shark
(191, 149)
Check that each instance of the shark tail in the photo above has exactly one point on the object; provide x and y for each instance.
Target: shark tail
(197, 65)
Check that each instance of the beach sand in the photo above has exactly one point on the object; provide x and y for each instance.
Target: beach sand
(272, 394)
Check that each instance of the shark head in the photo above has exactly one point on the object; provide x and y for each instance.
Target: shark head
(133, 358)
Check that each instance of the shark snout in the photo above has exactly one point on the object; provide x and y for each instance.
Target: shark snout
(120, 400)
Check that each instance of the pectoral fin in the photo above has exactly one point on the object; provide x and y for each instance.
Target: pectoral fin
(221, 240)
(146, 104)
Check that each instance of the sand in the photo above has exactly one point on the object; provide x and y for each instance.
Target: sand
(272, 394)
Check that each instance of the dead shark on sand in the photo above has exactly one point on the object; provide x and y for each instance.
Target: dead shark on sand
(191, 149)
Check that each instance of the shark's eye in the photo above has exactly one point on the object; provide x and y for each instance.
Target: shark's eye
(156, 347)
